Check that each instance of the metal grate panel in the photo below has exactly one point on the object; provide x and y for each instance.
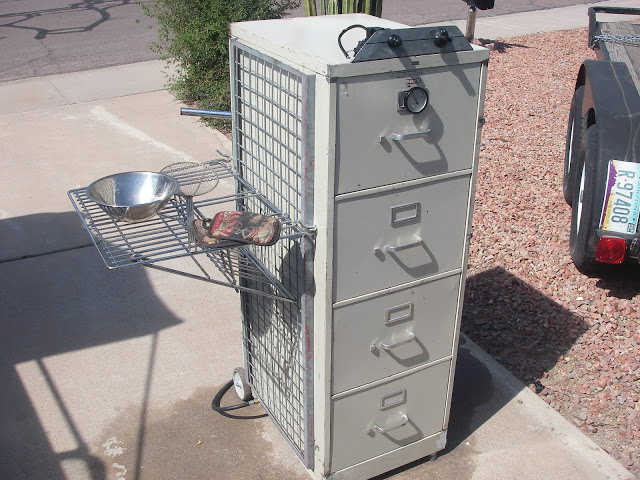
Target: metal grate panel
(269, 106)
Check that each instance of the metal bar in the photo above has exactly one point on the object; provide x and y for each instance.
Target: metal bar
(210, 280)
(198, 112)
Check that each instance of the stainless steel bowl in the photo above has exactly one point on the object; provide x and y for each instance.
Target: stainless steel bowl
(133, 196)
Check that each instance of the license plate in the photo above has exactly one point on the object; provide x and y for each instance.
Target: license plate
(622, 197)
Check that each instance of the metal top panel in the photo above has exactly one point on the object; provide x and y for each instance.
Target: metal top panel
(315, 37)
(312, 44)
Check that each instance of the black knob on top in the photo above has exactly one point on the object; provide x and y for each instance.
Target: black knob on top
(441, 38)
(394, 41)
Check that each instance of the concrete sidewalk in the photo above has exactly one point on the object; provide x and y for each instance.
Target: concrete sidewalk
(110, 374)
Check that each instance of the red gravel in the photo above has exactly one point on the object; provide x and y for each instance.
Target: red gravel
(574, 338)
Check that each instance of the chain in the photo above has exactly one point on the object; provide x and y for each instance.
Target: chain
(633, 40)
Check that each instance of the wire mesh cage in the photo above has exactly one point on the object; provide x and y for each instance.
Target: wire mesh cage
(270, 104)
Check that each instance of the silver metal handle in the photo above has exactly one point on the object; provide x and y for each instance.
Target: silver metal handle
(199, 112)
(397, 248)
(409, 136)
(380, 429)
(389, 346)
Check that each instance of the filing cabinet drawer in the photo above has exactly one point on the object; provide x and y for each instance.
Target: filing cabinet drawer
(387, 416)
(389, 334)
(368, 119)
(394, 237)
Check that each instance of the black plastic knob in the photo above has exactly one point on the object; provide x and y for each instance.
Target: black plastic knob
(394, 41)
(441, 38)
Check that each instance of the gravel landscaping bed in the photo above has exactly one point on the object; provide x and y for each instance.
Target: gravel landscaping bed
(573, 339)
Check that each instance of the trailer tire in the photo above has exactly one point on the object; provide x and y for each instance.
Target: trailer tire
(582, 221)
(575, 133)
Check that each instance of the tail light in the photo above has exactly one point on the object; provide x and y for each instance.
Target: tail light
(611, 250)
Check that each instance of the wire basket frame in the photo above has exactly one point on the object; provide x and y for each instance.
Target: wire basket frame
(270, 103)
(165, 237)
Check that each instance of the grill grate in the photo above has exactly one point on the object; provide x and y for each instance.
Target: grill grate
(165, 237)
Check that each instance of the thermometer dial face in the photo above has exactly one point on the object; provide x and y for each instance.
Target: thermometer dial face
(416, 99)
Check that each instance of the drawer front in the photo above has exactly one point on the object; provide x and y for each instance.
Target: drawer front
(391, 238)
(368, 117)
(385, 335)
(388, 416)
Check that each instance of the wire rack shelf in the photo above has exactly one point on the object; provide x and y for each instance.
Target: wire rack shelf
(165, 237)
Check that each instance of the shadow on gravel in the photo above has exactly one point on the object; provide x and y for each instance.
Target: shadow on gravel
(623, 282)
(517, 325)
(498, 46)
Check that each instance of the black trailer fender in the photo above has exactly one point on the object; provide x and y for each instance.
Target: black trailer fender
(611, 105)
(612, 101)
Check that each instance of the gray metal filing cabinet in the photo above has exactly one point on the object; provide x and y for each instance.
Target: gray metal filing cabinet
(380, 156)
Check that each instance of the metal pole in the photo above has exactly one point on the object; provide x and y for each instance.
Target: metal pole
(471, 23)
(198, 112)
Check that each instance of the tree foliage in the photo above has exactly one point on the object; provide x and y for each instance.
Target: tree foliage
(193, 36)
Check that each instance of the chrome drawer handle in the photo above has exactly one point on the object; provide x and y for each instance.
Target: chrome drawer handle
(409, 136)
(397, 248)
(389, 346)
(380, 429)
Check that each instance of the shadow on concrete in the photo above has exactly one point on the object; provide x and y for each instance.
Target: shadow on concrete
(53, 304)
(518, 326)
(40, 234)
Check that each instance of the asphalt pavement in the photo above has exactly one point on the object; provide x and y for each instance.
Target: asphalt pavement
(109, 374)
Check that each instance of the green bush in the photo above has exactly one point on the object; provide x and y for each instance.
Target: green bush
(193, 36)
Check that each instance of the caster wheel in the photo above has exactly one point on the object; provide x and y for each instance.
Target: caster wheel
(243, 390)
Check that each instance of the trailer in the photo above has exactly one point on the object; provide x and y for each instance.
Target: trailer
(602, 155)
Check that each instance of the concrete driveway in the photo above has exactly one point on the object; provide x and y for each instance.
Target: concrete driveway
(109, 374)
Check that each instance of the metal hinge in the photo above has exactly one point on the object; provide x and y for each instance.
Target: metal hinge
(308, 230)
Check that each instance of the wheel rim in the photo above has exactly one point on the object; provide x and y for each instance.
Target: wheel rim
(570, 149)
(238, 384)
(579, 206)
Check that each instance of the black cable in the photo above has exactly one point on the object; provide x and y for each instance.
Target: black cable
(215, 404)
(345, 31)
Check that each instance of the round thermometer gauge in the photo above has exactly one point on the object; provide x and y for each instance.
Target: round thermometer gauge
(416, 99)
